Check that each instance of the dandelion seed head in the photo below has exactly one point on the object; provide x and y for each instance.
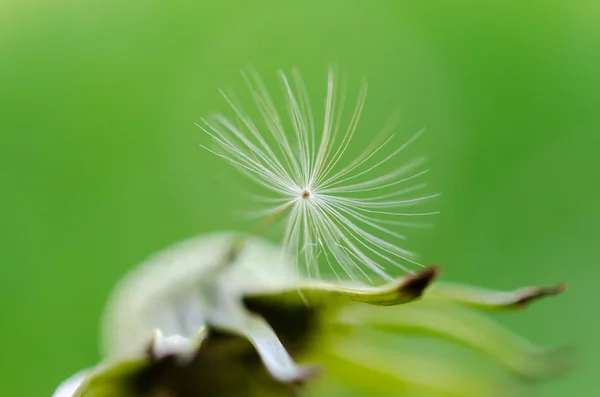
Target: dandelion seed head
(339, 209)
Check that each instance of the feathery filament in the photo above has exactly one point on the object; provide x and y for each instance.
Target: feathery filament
(340, 215)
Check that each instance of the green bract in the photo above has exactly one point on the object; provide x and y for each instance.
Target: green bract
(225, 316)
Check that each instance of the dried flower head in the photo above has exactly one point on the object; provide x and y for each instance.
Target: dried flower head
(210, 317)
(338, 207)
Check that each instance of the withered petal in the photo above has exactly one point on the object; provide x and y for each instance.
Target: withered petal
(378, 370)
(273, 354)
(111, 379)
(489, 299)
(448, 321)
(399, 291)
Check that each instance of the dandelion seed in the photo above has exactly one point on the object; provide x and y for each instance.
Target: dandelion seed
(333, 202)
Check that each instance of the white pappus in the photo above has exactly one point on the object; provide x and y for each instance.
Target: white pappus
(341, 210)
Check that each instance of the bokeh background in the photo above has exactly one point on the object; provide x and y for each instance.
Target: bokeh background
(100, 164)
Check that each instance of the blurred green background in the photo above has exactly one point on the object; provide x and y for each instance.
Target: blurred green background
(100, 164)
